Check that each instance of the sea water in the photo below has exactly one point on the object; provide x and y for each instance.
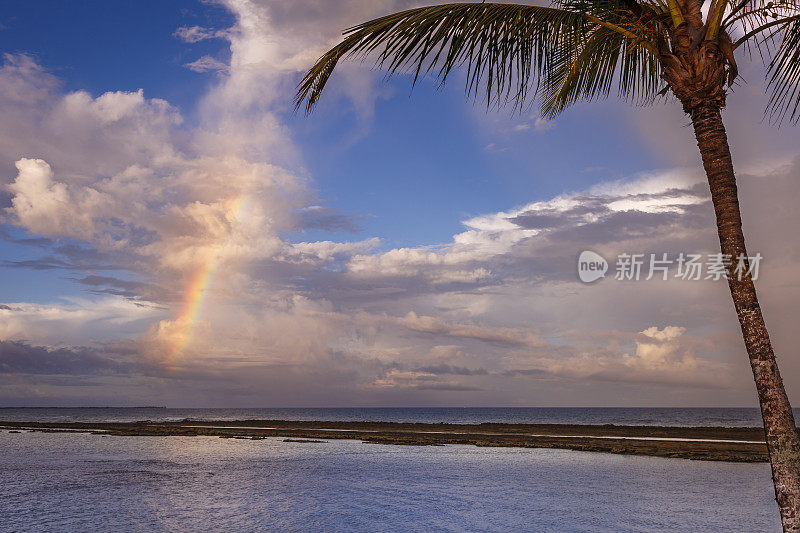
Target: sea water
(85, 482)
(659, 416)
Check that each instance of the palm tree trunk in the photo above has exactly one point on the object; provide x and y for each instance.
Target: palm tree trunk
(782, 438)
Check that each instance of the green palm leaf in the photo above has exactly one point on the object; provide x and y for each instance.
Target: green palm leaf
(510, 52)
(591, 70)
(773, 30)
(505, 48)
(783, 76)
(573, 50)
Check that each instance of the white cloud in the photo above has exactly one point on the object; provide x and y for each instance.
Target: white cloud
(195, 34)
(77, 322)
(539, 124)
(207, 64)
(48, 208)
(542, 124)
(610, 207)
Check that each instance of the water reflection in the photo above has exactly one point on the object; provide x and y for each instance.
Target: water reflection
(88, 482)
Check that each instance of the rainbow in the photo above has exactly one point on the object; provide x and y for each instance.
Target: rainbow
(197, 289)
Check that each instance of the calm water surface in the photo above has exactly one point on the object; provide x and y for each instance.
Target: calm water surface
(82, 482)
(666, 416)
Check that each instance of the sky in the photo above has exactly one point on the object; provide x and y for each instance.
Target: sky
(173, 233)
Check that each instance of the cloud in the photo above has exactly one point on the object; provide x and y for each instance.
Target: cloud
(539, 124)
(443, 369)
(492, 335)
(22, 358)
(135, 290)
(48, 208)
(78, 322)
(43, 263)
(543, 124)
(207, 64)
(419, 380)
(132, 186)
(326, 218)
(195, 34)
(544, 238)
(448, 387)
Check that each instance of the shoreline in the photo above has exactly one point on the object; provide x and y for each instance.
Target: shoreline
(733, 444)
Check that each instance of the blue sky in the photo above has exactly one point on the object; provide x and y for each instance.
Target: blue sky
(170, 221)
(427, 149)
(109, 46)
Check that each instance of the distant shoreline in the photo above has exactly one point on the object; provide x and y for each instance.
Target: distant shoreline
(86, 408)
(736, 444)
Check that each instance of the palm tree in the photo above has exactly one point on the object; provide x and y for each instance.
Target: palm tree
(578, 50)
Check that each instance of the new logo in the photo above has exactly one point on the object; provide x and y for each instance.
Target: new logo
(591, 266)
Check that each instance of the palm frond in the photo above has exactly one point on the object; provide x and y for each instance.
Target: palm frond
(510, 51)
(587, 72)
(752, 17)
(773, 30)
(505, 48)
(590, 72)
(783, 76)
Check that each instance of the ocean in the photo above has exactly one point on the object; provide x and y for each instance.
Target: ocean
(659, 416)
(85, 482)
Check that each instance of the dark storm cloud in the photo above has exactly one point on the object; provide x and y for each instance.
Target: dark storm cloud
(23, 358)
